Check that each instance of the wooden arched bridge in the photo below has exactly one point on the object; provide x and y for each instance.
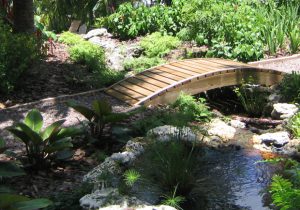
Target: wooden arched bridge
(162, 84)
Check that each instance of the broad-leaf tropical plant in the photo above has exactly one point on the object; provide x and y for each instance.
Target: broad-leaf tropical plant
(99, 116)
(9, 200)
(41, 145)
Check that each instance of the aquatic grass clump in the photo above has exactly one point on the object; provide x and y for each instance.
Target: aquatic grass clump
(131, 177)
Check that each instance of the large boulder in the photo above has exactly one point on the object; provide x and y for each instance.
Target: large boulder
(284, 110)
(219, 128)
(277, 139)
(96, 32)
(292, 148)
(169, 132)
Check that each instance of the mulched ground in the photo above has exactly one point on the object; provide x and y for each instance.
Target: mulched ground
(52, 76)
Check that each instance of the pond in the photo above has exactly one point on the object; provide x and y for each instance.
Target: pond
(233, 180)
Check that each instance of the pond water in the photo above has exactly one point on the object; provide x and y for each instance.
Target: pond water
(232, 180)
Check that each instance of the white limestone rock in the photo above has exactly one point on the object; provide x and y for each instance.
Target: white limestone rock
(219, 128)
(169, 132)
(96, 32)
(284, 110)
(278, 139)
(237, 124)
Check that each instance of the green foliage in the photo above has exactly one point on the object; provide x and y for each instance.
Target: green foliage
(42, 145)
(294, 36)
(284, 194)
(170, 164)
(17, 53)
(131, 177)
(251, 98)
(290, 87)
(88, 54)
(158, 45)
(142, 63)
(9, 201)
(192, 107)
(69, 38)
(294, 125)
(130, 21)
(99, 116)
(173, 200)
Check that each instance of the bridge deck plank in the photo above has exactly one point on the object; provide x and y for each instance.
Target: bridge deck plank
(163, 83)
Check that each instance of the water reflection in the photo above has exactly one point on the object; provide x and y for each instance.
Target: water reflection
(231, 180)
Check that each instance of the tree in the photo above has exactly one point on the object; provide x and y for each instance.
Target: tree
(23, 16)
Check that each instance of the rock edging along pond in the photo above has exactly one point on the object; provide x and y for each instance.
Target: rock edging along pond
(224, 143)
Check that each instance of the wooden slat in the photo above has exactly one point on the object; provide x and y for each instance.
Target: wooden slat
(185, 71)
(159, 77)
(175, 72)
(152, 81)
(128, 92)
(230, 63)
(211, 63)
(143, 83)
(198, 70)
(166, 74)
(122, 97)
(136, 88)
(201, 65)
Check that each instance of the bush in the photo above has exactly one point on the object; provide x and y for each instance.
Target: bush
(42, 145)
(69, 38)
(192, 107)
(290, 87)
(158, 45)
(130, 21)
(142, 63)
(17, 53)
(88, 54)
(294, 125)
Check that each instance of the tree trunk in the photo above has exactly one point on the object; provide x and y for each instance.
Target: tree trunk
(23, 16)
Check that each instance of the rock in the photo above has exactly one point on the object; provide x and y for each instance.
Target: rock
(108, 166)
(82, 29)
(118, 207)
(237, 124)
(212, 141)
(136, 148)
(111, 197)
(292, 148)
(284, 110)
(219, 128)
(277, 139)
(168, 133)
(123, 157)
(274, 98)
(96, 32)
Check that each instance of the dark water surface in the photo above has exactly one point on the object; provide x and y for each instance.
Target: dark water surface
(232, 180)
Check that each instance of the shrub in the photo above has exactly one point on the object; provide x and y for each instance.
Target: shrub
(130, 21)
(131, 176)
(252, 99)
(192, 107)
(158, 45)
(17, 53)
(69, 38)
(169, 165)
(99, 116)
(88, 54)
(11, 201)
(290, 87)
(142, 63)
(42, 145)
(294, 125)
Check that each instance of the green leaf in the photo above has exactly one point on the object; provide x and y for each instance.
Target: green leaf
(69, 132)
(101, 107)
(19, 134)
(86, 112)
(34, 137)
(52, 129)
(65, 154)
(7, 200)
(8, 169)
(32, 204)
(34, 120)
(2, 146)
(59, 145)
